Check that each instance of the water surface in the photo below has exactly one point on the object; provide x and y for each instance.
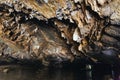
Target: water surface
(16, 72)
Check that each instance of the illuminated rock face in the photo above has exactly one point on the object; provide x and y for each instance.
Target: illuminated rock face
(58, 31)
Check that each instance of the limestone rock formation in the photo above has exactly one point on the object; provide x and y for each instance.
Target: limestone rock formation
(58, 31)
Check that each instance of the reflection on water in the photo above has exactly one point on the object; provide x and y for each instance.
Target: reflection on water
(33, 73)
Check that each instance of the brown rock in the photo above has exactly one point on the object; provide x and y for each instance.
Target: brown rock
(58, 31)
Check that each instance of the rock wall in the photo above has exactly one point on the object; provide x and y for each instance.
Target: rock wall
(58, 31)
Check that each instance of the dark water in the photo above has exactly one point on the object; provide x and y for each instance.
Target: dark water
(33, 73)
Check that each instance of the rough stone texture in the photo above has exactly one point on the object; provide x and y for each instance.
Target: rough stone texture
(58, 31)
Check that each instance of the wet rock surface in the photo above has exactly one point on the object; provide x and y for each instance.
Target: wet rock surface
(54, 32)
